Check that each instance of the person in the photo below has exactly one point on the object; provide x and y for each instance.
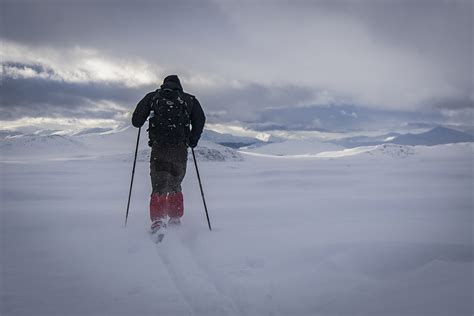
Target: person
(176, 123)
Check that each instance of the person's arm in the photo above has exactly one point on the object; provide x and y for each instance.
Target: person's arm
(198, 119)
(142, 111)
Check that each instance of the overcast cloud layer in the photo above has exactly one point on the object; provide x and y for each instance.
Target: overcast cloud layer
(246, 61)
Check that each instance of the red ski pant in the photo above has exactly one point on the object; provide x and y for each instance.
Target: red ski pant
(170, 204)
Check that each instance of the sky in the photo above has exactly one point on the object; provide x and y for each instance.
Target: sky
(263, 65)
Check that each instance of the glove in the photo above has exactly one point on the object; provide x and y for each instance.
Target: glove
(193, 142)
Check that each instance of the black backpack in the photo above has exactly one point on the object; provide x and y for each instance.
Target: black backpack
(169, 122)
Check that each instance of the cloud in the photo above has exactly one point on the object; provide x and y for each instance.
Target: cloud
(50, 84)
(73, 83)
(382, 54)
(349, 48)
(34, 97)
(240, 59)
(74, 65)
(34, 124)
(243, 103)
(340, 118)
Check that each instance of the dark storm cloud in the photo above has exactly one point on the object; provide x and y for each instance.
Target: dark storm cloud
(340, 118)
(53, 111)
(439, 30)
(155, 29)
(38, 97)
(22, 97)
(243, 102)
(387, 56)
(453, 104)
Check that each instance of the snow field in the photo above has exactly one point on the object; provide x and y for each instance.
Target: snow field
(358, 235)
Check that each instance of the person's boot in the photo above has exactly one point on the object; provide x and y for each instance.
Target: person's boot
(157, 230)
(157, 214)
(174, 221)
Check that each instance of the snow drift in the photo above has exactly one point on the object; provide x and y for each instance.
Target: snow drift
(376, 230)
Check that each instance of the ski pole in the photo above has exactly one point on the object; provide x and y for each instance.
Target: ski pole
(202, 192)
(133, 173)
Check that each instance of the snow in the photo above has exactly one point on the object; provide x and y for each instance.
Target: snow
(295, 147)
(34, 146)
(436, 136)
(208, 151)
(384, 230)
(119, 145)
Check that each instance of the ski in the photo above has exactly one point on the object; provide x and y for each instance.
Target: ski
(157, 232)
(157, 237)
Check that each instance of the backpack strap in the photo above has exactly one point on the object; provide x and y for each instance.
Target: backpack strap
(154, 97)
(187, 107)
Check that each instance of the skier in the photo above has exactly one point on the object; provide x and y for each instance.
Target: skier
(171, 112)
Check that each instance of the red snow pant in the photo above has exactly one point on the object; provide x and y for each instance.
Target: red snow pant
(169, 204)
(167, 170)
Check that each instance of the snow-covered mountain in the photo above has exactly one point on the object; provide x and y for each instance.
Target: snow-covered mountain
(436, 136)
(8, 133)
(37, 146)
(377, 151)
(94, 130)
(357, 141)
(229, 140)
(402, 151)
(295, 147)
(300, 149)
(205, 151)
(119, 144)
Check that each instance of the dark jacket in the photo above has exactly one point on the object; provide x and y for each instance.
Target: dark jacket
(143, 109)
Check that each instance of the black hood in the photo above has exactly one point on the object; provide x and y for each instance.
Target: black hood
(172, 82)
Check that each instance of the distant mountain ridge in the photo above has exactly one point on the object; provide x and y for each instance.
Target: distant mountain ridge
(437, 136)
(229, 140)
(34, 146)
(213, 147)
(358, 141)
(93, 143)
(295, 147)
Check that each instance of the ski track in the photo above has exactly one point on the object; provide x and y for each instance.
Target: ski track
(199, 290)
(171, 273)
(215, 281)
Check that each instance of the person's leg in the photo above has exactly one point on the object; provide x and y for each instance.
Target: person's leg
(175, 198)
(167, 171)
(157, 207)
(158, 201)
(175, 205)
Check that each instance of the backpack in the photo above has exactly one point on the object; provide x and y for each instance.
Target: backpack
(170, 120)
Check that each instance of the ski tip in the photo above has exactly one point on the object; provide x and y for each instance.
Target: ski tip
(159, 238)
